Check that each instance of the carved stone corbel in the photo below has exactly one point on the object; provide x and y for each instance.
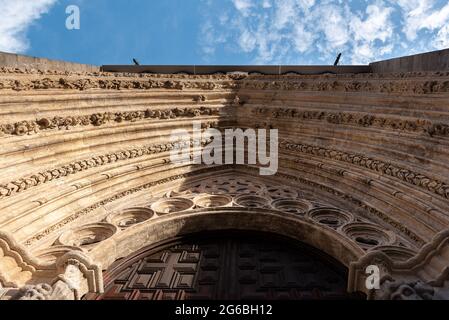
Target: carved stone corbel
(77, 277)
(423, 277)
(73, 274)
(80, 274)
(411, 290)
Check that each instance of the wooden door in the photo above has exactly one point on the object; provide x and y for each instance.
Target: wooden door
(227, 266)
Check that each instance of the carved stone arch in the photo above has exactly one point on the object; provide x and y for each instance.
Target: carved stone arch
(175, 225)
(362, 176)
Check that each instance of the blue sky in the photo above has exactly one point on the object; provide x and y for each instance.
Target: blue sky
(225, 31)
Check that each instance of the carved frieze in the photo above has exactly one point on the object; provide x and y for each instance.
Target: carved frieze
(410, 83)
(387, 168)
(34, 126)
(413, 86)
(17, 186)
(417, 125)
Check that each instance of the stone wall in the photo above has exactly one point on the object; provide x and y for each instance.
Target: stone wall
(431, 61)
(12, 60)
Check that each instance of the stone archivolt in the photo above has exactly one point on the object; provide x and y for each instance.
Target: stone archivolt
(370, 211)
(414, 178)
(363, 165)
(99, 119)
(23, 184)
(359, 119)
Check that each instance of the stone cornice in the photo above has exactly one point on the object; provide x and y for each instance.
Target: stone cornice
(229, 76)
(412, 83)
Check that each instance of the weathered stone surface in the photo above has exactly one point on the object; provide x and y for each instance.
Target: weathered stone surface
(363, 170)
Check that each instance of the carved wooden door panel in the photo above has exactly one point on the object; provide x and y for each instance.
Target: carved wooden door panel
(237, 267)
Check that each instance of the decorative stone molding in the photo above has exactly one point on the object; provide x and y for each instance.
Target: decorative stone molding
(16, 265)
(77, 277)
(41, 291)
(410, 83)
(414, 178)
(414, 86)
(411, 290)
(88, 235)
(130, 217)
(331, 217)
(369, 210)
(68, 267)
(417, 125)
(365, 235)
(28, 268)
(225, 76)
(393, 106)
(116, 197)
(17, 186)
(52, 254)
(34, 126)
(172, 205)
(295, 206)
(368, 235)
(397, 253)
(244, 200)
(58, 291)
(425, 276)
(113, 83)
(212, 201)
(252, 201)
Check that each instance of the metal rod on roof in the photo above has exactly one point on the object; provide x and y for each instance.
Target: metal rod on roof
(337, 61)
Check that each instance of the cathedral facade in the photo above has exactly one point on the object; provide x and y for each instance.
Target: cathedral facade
(93, 207)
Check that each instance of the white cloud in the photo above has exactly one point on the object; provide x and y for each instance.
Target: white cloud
(422, 15)
(441, 41)
(244, 6)
(16, 17)
(332, 20)
(302, 38)
(372, 36)
(377, 25)
(247, 41)
(300, 31)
